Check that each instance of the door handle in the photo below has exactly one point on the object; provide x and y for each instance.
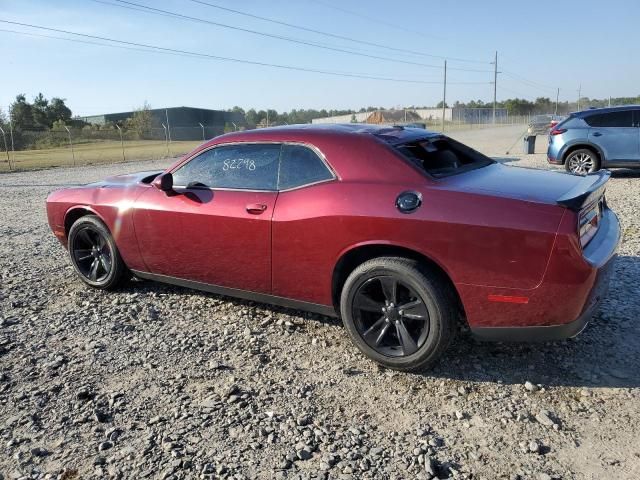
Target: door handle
(597, 134)
(256, 208)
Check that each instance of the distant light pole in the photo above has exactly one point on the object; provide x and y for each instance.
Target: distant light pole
(202, 126)
(73, 155)
(166, 138)
(13, 150)
(166, 114)
(121, 141)
(5, 147)
(557, 95)
(579, 95)
(234, 126)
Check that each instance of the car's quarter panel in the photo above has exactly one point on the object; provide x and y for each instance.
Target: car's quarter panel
(475, 238)
(207, 235)
(111, 201)
(571, 287)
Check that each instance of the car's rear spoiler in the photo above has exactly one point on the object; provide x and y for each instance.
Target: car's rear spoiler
(590, 188)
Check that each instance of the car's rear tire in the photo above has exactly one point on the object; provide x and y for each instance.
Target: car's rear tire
(94, 254)
(582, 162)
(419, 316)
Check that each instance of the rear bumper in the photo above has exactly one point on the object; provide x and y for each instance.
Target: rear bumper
(553, 153)
(549, 333)
(599, 255)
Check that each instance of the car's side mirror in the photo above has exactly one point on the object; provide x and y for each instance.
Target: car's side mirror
(164, 182)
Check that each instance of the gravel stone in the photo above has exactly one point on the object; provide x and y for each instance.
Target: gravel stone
(543, 417)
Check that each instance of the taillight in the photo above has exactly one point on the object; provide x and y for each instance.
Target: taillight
(589, 222)
(557, 131)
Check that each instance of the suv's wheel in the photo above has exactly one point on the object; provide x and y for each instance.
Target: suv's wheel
(94, 254)
(397, 313)
(582, 162)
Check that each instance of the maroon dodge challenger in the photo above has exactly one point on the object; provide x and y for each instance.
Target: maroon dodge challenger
(400, 232)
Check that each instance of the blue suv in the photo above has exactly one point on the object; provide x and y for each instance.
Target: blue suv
(598, 138)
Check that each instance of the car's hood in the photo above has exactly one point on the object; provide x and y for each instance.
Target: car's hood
(514, 182)
(125, 180)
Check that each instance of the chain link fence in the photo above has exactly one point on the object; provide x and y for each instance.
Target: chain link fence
(456, 118)
(29, 149)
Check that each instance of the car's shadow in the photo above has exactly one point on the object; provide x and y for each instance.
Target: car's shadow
(625, 173)
(606, 354)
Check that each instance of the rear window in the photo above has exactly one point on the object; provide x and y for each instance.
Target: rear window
(573, 122)
(442, 157)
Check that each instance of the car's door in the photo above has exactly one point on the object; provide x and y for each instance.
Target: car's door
(616, 134)
(216, 225)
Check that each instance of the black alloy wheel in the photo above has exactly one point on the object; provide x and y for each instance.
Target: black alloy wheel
(94, 254)
(390, 316)
(91, 254)
(399, 312)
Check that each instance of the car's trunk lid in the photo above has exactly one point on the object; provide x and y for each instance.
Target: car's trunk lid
(528, 184)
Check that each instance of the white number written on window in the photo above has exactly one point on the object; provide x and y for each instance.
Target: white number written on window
(239, 164)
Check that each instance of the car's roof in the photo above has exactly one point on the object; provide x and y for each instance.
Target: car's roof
(592, 111)
(392, 134)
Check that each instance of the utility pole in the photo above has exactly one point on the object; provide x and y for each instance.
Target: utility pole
(609, 100)
(495, 85)
(557, 95)
(444, 94)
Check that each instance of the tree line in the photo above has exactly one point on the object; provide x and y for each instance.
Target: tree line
(43, 114)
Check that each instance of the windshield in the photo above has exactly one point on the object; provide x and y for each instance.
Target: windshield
(441, 156)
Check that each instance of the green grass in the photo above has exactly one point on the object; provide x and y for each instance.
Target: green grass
(98, 152)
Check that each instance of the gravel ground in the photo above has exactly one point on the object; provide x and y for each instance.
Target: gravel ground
(161, 382)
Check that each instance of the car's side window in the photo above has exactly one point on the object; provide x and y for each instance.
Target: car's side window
(612, 119)
(300, 165)
(245, 167)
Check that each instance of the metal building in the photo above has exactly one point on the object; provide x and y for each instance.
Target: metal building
(185, 123)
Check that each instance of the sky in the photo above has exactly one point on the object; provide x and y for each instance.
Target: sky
(568, 45)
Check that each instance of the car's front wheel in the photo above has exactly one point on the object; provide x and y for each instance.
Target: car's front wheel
(582, 162)
(398, 313)
(94, 254)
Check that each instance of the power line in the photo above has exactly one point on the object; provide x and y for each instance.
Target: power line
(332, 35)
(372, 19)
(526, 81)
(147, 9)
(513, 91)
(157, 49)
